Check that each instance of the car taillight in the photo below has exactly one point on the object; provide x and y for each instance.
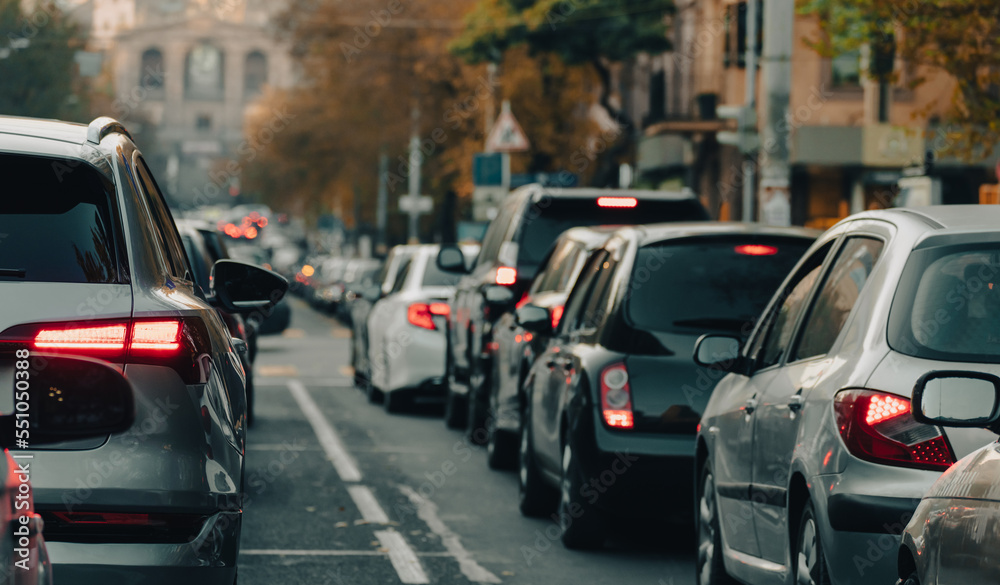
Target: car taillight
(879, 427)
(506, 275)
(616, 397)
(756, 250)
(422, 314)
(177, 343)
(556, 314)
(617, 202)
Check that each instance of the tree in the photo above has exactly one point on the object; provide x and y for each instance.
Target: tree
(596, 33)
(958, 37)
(37, 50)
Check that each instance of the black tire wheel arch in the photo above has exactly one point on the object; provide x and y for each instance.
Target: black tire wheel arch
(583, 523)
(710, 567)
(535, 498)
(807, 550)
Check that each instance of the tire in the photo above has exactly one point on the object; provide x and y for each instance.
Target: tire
(373, 393)
(454, 410)
(501, 446)
(584, 526)
(475, 428)
(710, 568)
(395, 402)
(535, 498)
(808, 560)
(911, 580)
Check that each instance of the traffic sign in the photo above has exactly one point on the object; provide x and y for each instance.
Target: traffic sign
(507, 135)
(421, 204)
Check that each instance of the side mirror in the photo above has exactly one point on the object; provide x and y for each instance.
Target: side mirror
(243, 288)
(534, 318)
(68, 398)
(719, 352)
(451, 259)
(498, 297)
(957, 399)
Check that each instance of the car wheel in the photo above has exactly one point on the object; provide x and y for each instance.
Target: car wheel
(809, 562)
(912, 579)
(454, 410)
(394, 402)
(535, 498)
(711, 569)
(583, 524)
(374, 395)
(475, 430)
(501, 446)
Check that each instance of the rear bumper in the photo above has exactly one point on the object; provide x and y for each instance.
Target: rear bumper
(208, 558)
(413, 364)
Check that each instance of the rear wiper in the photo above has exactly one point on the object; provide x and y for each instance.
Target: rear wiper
(14, 272)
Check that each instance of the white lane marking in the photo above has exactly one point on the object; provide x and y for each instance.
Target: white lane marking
(427, 511)
(365, 500)
(280, 447)
(261, 552)
(342, 461)
(402, 557)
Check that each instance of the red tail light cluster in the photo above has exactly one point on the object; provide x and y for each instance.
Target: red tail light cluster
(422, 314)
(616, 397)
(556, 314)
(176, 343)
(879, 427)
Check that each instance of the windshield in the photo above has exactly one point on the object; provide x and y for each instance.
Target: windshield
(58, 222)
(947, 306)
(549, 218)
(699, 284)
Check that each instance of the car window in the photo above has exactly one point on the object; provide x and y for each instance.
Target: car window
(56, 227)
(573, 316)
(163, 223)
(401, 275)
(559, 269)
(840, 292)
(196, 260)
(595, 311)
(495, 234)
(793, 298)
(434, 276)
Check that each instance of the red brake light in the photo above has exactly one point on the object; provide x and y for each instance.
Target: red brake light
(107, 337)
(616, 397)
(879, 427)
(556, 313)
(756, 250)
(422, 314)
(617, 202)
(506, 275)
(156, 335)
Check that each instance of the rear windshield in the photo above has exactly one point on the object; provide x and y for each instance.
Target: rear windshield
(708, 284)
(433, 276)
(55, 222)
(947, 305)
(550, 217)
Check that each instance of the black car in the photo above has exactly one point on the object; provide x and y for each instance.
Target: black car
(515, 349)
(614, 401)
(513, 249)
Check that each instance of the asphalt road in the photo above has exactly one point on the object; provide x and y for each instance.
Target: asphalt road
(339, 492)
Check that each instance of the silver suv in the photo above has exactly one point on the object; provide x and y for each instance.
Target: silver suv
(809, 462)
(91, 264)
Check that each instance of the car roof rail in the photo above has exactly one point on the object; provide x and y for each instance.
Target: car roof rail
(103, 126)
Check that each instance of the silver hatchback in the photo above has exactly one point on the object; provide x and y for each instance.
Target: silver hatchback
(809, 462)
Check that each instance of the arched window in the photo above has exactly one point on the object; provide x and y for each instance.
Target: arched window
(151, 70)
(203, 72)
(255, 72)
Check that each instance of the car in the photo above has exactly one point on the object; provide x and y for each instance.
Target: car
(86, 399)
(407, 332)
(616, 376)
(952, 536)
(809, 461)
(203, 249)
(527, 224)
(93, 266)
(326, 287)
(359, 276)
(361, 308)
(514, 348)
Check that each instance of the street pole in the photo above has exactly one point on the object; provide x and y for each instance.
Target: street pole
(775, 192)
(382, 204)
(415, 162)
(750, 111)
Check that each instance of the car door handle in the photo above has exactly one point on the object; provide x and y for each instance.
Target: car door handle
(750, 406)
(795, 402)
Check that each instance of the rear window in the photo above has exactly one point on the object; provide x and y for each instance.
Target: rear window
(550, 217)
(433, 276)
(947, 305)
(708, 284)
(56, 222)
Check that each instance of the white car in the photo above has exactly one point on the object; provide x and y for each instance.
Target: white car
(407, 331)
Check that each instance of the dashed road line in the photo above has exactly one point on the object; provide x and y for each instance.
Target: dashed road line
(342, 461)
(402, 557)
(365, 500)
(427, 511)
